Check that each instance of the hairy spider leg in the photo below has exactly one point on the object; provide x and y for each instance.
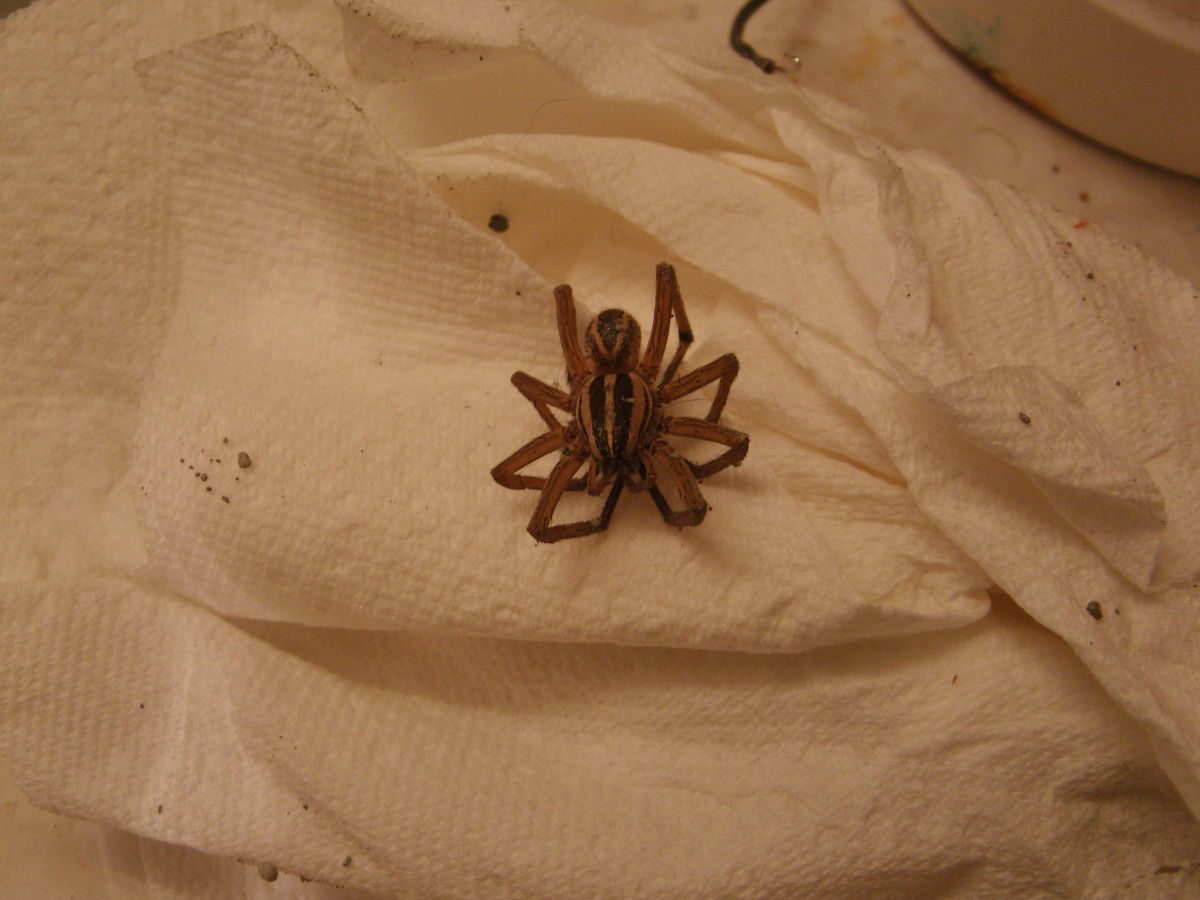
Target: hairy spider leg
(556, 483)
(723, 367)
(506, 472)
(568, 335)
(738, 442)
(667, 301)
(695, 506)
(682, 324)
(542, 396)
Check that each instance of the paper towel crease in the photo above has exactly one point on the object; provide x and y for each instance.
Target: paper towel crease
(968, 420)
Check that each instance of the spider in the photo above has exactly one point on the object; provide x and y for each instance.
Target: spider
(618, 421)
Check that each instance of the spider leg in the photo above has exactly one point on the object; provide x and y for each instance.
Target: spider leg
(542, 396)
(738, 442)
(506, 472)
(684, 328)
(599, 476)
(556, 484)
(724, 368)
(695, 506)
(568, 334)
(642, 477)
(667, 301)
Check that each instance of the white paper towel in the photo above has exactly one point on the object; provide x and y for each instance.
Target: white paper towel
(314, 660)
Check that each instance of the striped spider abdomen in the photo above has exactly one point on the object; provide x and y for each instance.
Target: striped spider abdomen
(614, 412)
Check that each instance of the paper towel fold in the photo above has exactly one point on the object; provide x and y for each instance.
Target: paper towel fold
(311, 656)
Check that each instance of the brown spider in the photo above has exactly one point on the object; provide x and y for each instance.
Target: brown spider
(618, 425)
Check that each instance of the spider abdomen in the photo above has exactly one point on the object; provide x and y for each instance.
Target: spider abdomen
(614, 412)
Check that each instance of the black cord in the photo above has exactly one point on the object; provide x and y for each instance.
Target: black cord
(738, 43)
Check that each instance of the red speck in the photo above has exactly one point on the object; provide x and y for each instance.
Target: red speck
(1082, 223)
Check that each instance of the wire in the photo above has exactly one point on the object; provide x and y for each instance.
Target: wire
(738, 43)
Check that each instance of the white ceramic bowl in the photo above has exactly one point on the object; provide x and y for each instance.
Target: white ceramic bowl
(1124, 72)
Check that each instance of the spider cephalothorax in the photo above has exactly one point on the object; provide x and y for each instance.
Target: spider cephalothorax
(613, 341)
(618, 423)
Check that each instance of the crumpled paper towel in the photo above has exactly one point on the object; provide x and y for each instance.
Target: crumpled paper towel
(968, 422)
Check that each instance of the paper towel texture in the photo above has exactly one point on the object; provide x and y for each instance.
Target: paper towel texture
(968, 422)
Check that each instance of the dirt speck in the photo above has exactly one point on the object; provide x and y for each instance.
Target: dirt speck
(1094, 610)
(243, 459)
(267, 871)
(1024, 417)
(498, 222)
